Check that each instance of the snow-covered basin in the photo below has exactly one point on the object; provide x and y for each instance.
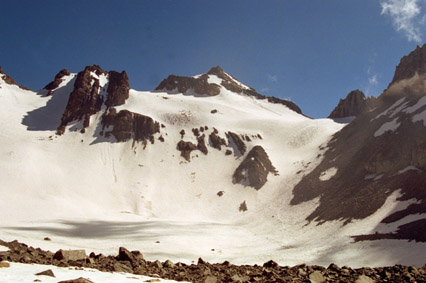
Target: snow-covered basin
(19, 272)
(245, 242)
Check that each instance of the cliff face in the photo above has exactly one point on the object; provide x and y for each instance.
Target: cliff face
(354, 104)
(409, 65)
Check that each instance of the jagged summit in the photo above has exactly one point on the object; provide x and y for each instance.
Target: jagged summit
(354, 104)
(210, 84)
(409, 65)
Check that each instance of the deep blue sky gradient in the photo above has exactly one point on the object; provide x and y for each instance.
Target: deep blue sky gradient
(312, 52)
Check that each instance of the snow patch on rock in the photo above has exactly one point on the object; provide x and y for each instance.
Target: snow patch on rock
(388, 126)
(328, 174)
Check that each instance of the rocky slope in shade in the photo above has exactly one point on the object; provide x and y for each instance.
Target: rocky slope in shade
(353, 105)
(133, 262)
(409, 65)
(381, 151)
(201, 85)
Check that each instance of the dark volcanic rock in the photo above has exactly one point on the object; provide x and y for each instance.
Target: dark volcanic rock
(354, 104)
(68, 255)
(254, 169)
(127, 125)
(118, 88)
(413, 63)
(185, 149)
(233, 137)
(57, 81)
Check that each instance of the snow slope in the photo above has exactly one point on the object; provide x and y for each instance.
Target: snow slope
(85, 191)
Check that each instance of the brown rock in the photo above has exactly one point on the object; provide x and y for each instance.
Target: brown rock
(254, 169)
(4, 264)
(201, 145)
(409, 65)
(216, 141)
(233, 137)
(57, 81)
(118, 88)
(67, 255)
(78, 280)
(47, 272)
(186, 148)
(354, 104)
(243, 206)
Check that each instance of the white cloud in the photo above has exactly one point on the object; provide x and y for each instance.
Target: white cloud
(404, 15)
(264, 89)
(272, 78)
(373, 80)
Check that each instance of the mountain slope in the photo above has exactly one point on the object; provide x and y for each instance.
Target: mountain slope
(379, 153)
(201, 166)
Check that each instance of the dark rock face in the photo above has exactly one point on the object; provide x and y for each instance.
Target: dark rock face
(354, 104)
(184, 84)
(241, 146)
(57, 81)
(86, 98)
(243, 206)
(216, 141)
(201, 86)
(254, 169)
(127, 125)
(218, 272)
(201, 144)
(118, 88)
(185, 149)
(413, 63)
(381, 151)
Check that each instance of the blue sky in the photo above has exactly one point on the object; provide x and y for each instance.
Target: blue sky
(312, 52)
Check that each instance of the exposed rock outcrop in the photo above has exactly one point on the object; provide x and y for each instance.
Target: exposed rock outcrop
(118, 88)
(185, 149)
(201, 144)
(127, 125)
(354, 104)
(254, 169)
(87, 96)
(201, 85)
(409, 65)
(180, 84)
(239, 143)
(216, 141)
(57, 81)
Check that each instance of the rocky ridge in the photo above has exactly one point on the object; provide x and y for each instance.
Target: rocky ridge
(9, 80)
(134, 262)
(200, 85)
(353, 105)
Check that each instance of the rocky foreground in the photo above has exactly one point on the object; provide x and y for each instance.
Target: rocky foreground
(133, 262)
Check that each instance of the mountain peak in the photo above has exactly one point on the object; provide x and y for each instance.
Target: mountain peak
(409, 65)
(216, 71)
(354, 104)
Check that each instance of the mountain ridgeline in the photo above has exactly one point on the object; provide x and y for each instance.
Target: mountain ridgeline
(353, 169)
